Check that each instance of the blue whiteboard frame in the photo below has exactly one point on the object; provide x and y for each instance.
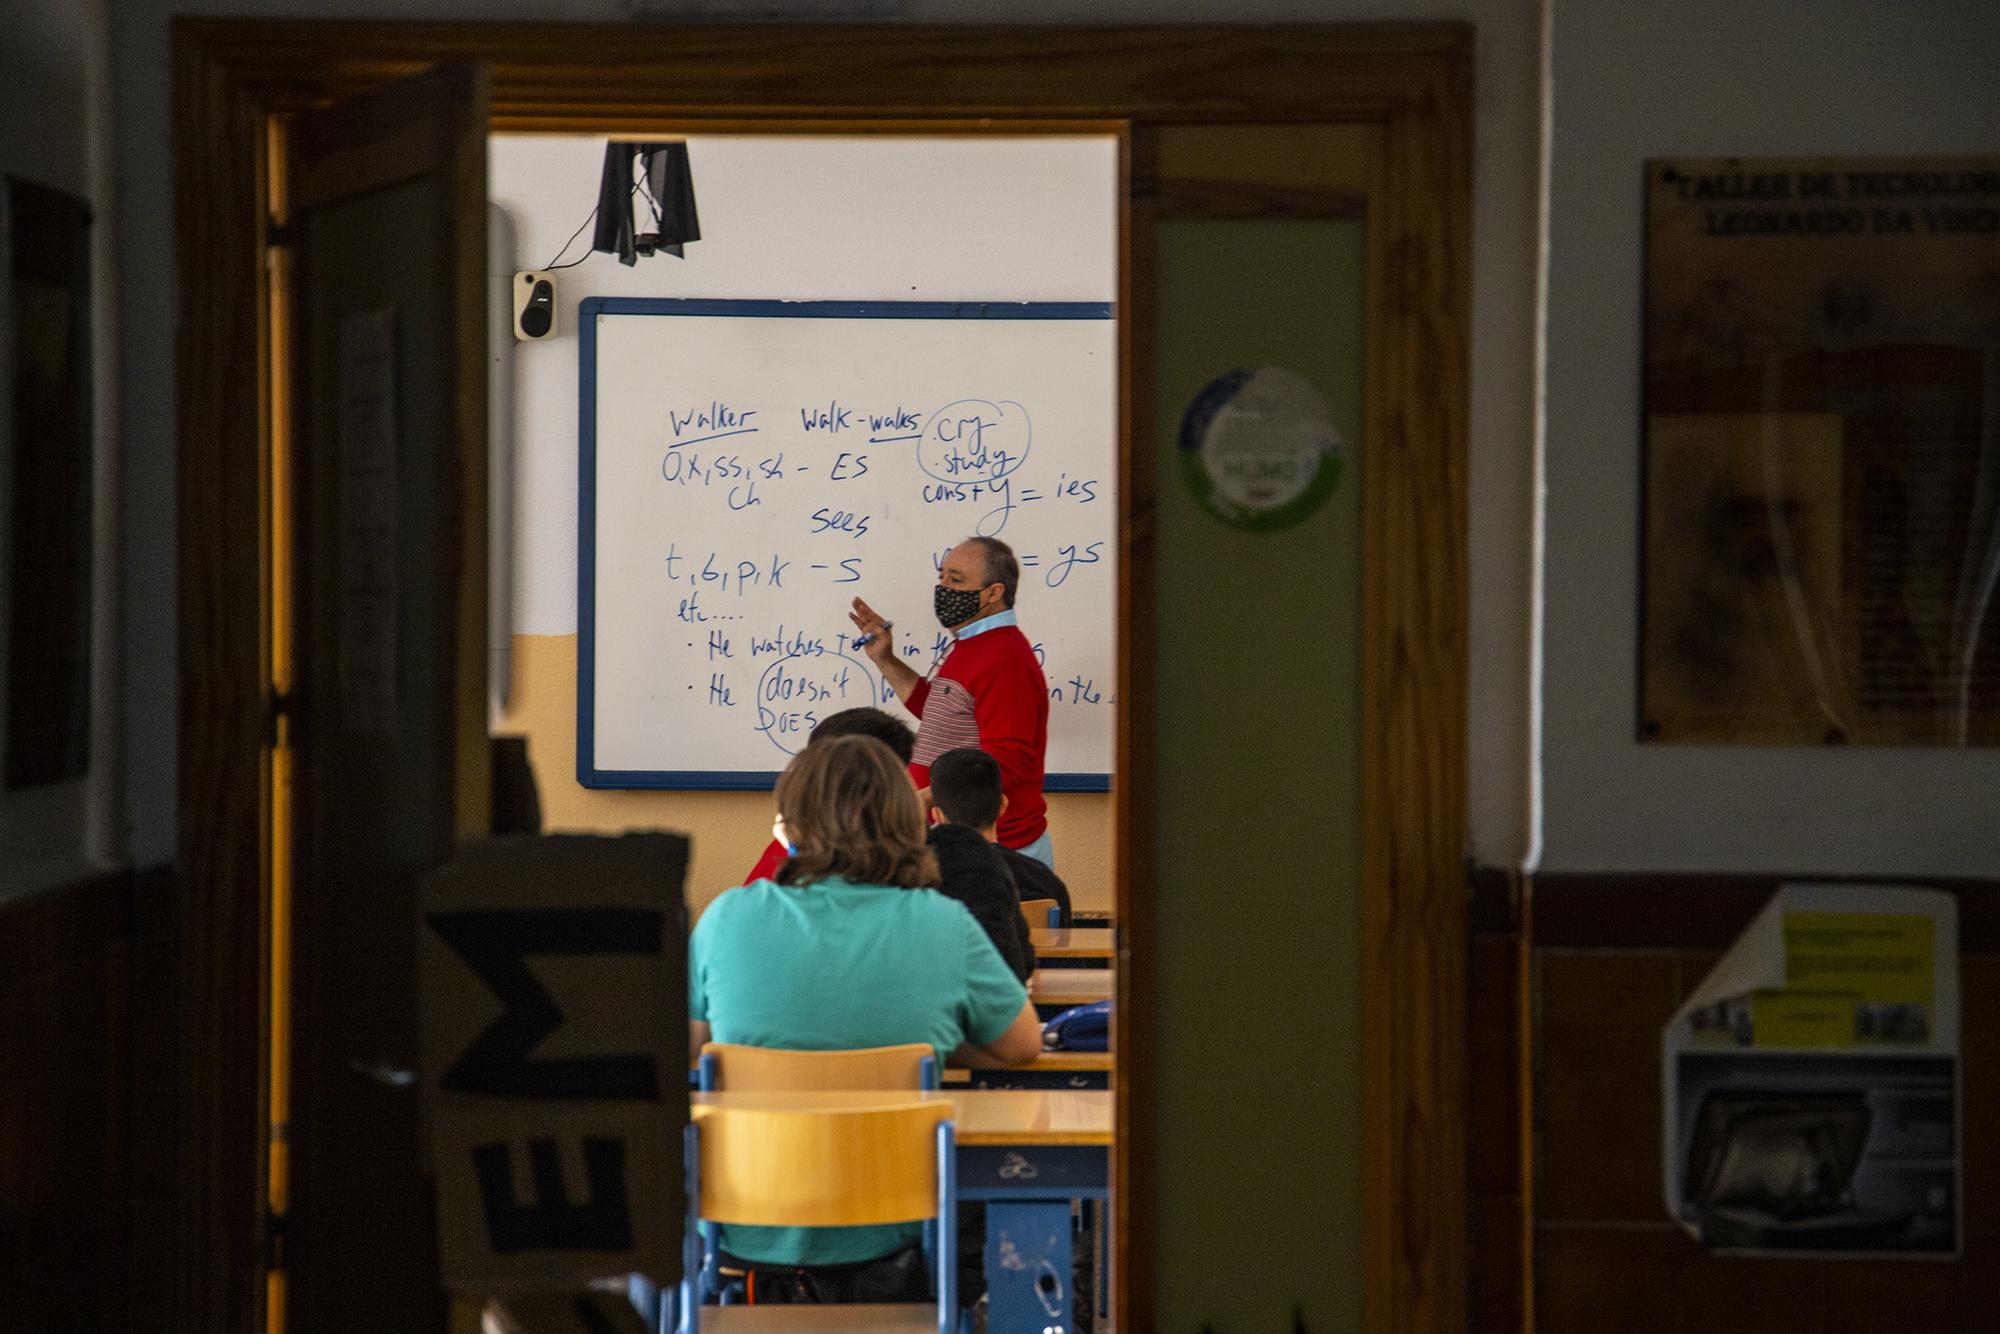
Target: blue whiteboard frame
(732, 780)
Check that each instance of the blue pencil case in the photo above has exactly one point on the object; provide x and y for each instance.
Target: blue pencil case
(1080, 1028)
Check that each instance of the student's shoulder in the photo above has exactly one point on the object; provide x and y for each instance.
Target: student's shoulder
(732, 904)
(935, 910)
(929, 900)
(955, 840)
(1028, 870)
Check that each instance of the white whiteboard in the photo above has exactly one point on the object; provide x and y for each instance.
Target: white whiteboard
(749, 467)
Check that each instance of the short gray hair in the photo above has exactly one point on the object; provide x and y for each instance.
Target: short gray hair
(1001, 566)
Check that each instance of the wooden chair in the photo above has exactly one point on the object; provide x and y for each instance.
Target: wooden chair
(744, 1069)
(1042, 914)
(797, 1167)
(741, 1069)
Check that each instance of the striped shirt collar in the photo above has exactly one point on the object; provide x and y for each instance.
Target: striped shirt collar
(990, 623)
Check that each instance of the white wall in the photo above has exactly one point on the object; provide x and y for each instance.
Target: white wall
(53, 64)
(46, 60)
(808, 218)
(1502, 386)
(1713, 78)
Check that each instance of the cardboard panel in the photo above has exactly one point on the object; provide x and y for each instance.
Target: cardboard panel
(554, 1064)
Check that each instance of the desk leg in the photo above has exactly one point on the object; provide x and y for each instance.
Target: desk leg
(1028, 1267)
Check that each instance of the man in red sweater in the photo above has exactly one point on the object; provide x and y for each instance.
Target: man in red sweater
(988, 692)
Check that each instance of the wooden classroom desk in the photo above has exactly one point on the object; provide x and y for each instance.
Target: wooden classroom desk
(1050, 1070)
(1075, 942)
(1026, 1154)
(1070, 986)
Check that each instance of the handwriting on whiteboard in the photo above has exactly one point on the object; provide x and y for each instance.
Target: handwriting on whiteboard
(752, 467)
(967, 461)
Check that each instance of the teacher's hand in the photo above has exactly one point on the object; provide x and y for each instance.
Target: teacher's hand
(882, 648)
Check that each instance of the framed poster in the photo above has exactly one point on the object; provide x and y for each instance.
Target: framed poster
(45, 455)
(1822, 452)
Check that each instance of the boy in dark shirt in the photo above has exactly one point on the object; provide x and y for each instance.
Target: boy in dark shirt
(970, 870)
(965, 790)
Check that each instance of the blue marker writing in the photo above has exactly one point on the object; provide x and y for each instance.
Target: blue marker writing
(869, 638)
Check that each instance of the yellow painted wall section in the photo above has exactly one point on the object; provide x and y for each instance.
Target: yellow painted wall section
(728, 829)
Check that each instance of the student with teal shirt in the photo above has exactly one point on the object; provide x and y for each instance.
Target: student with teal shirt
(846, 946)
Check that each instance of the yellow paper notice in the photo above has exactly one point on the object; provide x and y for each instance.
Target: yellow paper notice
(1803, 1018)
(1879, 957)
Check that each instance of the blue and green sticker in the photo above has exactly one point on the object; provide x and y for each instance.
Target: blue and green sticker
(1259, 450)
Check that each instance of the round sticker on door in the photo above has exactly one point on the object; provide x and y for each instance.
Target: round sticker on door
(1258, 448)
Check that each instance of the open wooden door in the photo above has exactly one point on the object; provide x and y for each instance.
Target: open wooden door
(1411, 83)
(383, 239)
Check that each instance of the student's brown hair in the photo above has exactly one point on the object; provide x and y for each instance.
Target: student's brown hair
(849, 809)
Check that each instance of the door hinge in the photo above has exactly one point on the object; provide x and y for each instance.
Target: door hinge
(280, 235)
(278, 719)
(277, 1232)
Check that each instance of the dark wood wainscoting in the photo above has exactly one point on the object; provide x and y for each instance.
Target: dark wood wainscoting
(1497, 1226)
(87, 1037)
(1566, 1217)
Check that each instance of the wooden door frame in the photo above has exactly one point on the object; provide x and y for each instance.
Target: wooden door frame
(1411, 81)
(425, 136)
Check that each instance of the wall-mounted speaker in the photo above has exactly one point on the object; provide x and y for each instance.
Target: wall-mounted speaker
(534, 305)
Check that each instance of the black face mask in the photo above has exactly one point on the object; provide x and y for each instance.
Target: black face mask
(955, 606)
